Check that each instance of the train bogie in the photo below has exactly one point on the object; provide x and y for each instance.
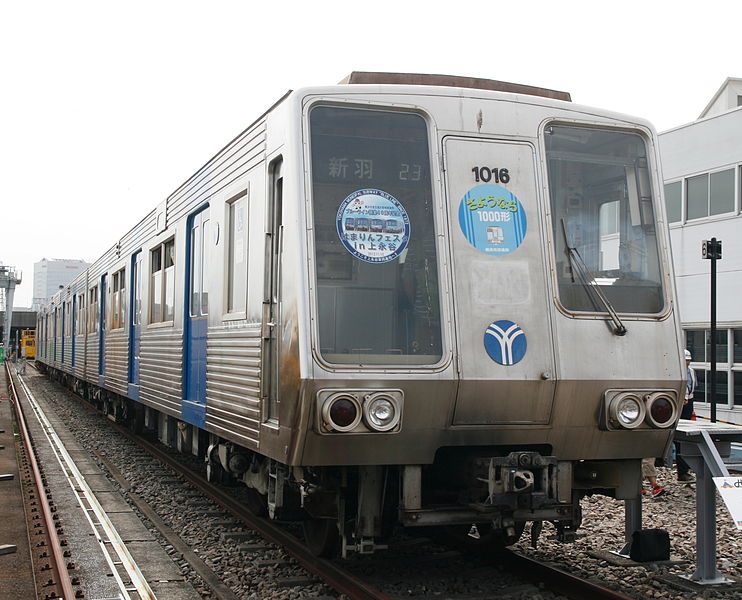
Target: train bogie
(429, 306)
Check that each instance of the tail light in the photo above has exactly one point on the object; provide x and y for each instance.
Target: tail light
(661, 410)
(341, 412)
(359, 411)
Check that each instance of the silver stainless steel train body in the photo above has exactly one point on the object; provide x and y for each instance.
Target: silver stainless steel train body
(431, 306)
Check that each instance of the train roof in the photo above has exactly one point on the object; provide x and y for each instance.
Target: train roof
(381, 78)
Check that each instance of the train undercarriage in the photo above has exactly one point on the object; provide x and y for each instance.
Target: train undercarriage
(478, 497)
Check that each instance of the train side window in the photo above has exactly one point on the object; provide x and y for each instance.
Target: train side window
(80, 323)
(205, 262)
(162, 283)
(93, 309)
(200, 243)
(169, 281)
(237, 255)
(118, 299)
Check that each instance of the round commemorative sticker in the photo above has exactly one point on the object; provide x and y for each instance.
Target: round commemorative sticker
(492, 219)
(373, 226)
(505, 342)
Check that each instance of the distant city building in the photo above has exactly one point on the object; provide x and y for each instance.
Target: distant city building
(702, 169)
(50, 274)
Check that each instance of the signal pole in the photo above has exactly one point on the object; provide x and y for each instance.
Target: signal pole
(9, 278)
(711, 250)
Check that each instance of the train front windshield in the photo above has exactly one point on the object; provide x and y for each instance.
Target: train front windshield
(375, 249)
(603, 220)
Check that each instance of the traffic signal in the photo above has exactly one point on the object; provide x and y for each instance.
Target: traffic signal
(711, 249)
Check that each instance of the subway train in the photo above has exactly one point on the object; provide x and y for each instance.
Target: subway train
(420, 301)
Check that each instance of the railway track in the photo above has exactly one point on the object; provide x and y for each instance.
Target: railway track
(342, 580)
(49, 554)
(353, 584)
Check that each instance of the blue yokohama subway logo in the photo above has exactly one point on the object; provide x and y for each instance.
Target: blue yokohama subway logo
(505, 342)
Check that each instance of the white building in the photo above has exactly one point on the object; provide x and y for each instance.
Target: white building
(50, 274)
(702, 169)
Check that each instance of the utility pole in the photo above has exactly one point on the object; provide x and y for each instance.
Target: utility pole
(9, 278)
(711, 250)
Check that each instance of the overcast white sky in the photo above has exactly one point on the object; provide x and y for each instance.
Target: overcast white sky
(106, 107)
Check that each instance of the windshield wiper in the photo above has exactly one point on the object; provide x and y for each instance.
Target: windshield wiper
(591, 286)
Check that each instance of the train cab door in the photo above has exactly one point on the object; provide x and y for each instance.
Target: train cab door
(135, 324)
(270, 388)
(503, 325)
(196, 319)
(102, 333)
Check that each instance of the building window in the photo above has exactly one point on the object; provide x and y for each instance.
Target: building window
(118, 299)
(674, 201)
(737, 334)
(722, 396)
(697, 196)
(162, 283)
(728, 365)
(237, 257)
(722, 353)
(721, 192)
(709, 194)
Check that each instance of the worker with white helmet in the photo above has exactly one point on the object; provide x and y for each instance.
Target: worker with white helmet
(686, 413)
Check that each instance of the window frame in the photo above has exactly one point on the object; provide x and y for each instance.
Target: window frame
(117, 312)
(657, 205)
(735, 170)
(702, 365)
(236, 312)
(159, 288)
(438, 225)
(681, 201)
(93, 309)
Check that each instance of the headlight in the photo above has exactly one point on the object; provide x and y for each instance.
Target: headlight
(380, 411)
(358, 411)
(661, 410)
(627, 410)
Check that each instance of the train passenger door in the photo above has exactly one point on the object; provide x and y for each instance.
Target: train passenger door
(135, 324)
(503, 324)
(64, 327)
(197, 320)
(102, 332)
(73, 317)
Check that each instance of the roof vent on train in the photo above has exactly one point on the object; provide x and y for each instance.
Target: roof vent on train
(371, 77)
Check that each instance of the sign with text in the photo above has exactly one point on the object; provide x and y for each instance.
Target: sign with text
(730, 489)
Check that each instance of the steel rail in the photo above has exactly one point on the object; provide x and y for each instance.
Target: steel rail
(85, 495)
(334, 576)
(60, 564)
(558, 580)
